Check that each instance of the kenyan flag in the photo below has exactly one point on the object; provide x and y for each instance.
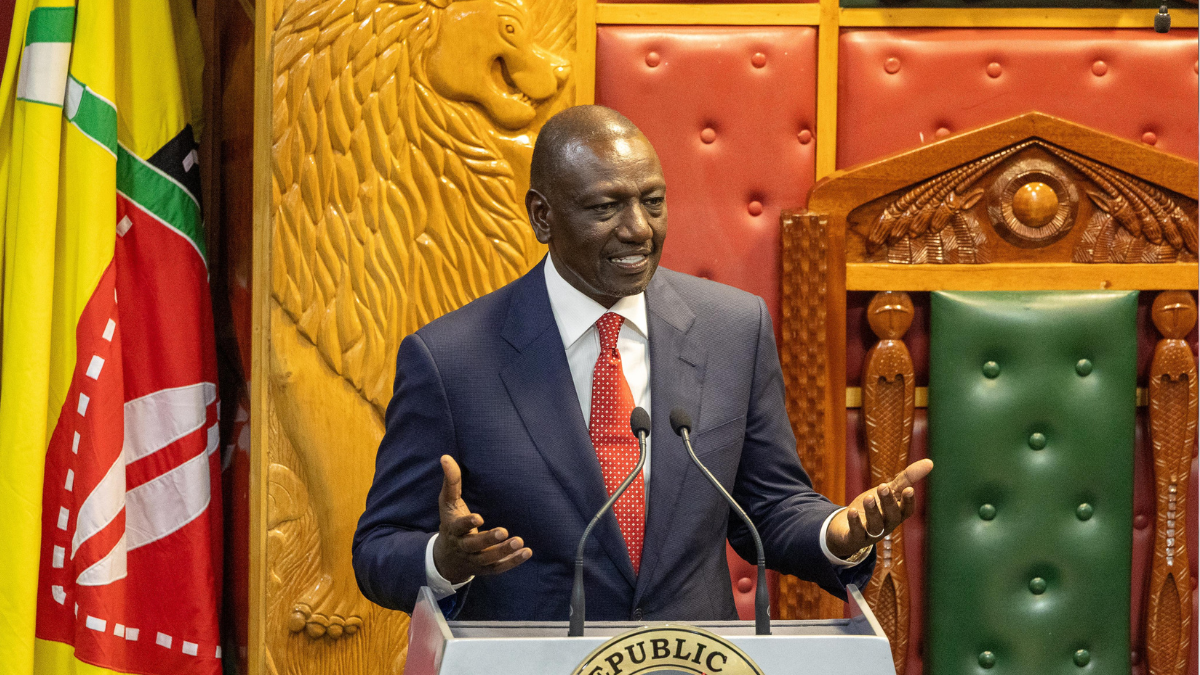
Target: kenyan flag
(129, 557)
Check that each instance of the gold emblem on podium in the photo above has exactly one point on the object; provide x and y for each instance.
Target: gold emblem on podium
(668, 650)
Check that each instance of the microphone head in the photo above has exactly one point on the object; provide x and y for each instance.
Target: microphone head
(680, 420)
(639, 421)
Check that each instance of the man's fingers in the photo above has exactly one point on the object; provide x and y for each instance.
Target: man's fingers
(451, 482)
(911, 475)
(461, 526)
(481, 541)
(874, 517)
(891, 508)
(857, 533)
(492, 555)
(908, 502)
(507, 563)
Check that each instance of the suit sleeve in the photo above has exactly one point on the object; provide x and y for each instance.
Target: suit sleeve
(402, 506)
(774, 488)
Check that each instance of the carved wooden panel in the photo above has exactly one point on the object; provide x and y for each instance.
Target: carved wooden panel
(400, 140)
(1033, 211)
(804, 356)
(888, 399)
(1173, 407)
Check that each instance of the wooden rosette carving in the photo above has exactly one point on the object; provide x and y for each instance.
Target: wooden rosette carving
(803, 357)
(1173, 434)
(888, 399)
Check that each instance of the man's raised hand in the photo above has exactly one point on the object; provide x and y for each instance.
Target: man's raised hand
(462, 550)
(876, 512)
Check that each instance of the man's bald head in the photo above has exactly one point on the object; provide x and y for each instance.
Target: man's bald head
(572, 128)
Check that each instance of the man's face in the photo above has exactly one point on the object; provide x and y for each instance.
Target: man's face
(605, 217)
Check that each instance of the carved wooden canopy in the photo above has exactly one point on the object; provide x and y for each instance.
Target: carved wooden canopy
(1033, 192)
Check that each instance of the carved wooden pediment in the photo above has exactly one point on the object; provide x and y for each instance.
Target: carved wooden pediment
(1032, 190)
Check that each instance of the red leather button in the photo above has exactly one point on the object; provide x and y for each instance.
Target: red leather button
(1149, 138)
(805, 136)
(754, 208)
(1140, 521)
(759, 59)
(653, 59)
(1135, 657)
(1099, 68)
(745, 585)
(941, 133)
(994, 70)
(708, 135)
(892, 65)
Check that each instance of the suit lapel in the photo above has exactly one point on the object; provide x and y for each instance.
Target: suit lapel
(539, 384)
(676, 380)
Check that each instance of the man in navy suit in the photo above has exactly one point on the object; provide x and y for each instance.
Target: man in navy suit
(493, 404)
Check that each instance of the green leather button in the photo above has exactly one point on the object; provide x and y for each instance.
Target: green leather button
(1083, 367)
(987, 659)
(987, 512)
(1084, 511)
(1082, 657)
(990, 370)
(1037, 585)
(1037, 440)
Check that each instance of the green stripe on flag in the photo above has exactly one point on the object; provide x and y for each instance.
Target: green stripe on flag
(92, 114)
(50, 24)
(160, 196)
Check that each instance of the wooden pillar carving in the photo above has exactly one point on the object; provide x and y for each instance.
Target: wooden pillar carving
(1173, 434)
(803, 355)
(888, 401)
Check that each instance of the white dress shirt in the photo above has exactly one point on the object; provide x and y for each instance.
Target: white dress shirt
(576, 315)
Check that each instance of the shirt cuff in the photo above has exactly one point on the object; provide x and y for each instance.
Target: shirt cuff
(444, 589)
(833, 559)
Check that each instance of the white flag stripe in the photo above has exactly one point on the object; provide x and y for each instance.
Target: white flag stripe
(95, 624)
(119, 630)
(64, 516)
(83, 403)
(75, 443)
(214, 439)
(60, 595)
(189, 648)
(43, 76)
(159, 507)
(131, 634)
(70, 480)
(101, 506)
(156, 420)
(94, 367)
(106, 570)
(60, 555)
(163, 640)
(109, 327)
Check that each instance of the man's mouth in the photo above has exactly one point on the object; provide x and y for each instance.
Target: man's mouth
(633, 261)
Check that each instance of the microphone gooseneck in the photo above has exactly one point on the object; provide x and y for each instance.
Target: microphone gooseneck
(639, 423)
(681, 424)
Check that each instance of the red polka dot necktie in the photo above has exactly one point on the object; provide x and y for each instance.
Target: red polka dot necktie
(616, 446)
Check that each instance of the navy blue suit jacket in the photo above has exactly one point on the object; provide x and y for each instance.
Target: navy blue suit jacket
(489, 385)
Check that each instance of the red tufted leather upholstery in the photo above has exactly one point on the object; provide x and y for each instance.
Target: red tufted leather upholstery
(1125, 82)
(729, 133)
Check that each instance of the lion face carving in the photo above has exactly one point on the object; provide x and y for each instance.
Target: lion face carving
(485, 55)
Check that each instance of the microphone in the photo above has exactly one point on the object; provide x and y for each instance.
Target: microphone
(639, 423)
(681, 424)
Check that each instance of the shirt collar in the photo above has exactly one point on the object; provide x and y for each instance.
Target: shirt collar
(575, 312)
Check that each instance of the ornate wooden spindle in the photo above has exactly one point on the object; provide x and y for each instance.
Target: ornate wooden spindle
(1173, 434)
(887, 404)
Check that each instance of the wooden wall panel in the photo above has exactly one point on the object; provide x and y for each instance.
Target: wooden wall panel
(398, 145)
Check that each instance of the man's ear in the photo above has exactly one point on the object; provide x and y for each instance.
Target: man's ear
(538, 208)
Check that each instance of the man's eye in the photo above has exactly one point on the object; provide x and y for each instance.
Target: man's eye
(607, 207)
(654, 202)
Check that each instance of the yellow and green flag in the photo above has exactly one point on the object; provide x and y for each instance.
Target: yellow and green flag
(108, 401)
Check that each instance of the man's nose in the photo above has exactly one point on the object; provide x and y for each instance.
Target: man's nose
(636, 227)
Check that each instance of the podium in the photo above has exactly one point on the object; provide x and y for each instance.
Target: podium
(854, 646)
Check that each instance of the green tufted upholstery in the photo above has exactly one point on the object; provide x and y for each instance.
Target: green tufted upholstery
(1031, 427)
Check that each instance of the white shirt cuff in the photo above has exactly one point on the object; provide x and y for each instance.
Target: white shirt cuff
(444, 589)
(833, 559)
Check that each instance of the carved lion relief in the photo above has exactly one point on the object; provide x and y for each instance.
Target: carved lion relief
(401, 136)
(1032, 211)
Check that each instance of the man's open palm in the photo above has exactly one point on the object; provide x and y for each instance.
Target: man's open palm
(462, 550)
